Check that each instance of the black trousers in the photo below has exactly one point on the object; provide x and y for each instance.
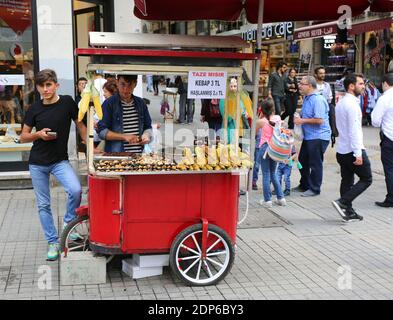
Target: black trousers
(155, 86)
(290, 109)
(349, 190)
(387, 161)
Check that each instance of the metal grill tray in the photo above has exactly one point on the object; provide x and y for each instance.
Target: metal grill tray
(159, 173)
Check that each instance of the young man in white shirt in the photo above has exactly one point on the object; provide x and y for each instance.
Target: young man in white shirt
(382, 117)
(351, 153)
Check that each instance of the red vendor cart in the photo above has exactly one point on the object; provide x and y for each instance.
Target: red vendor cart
(192, 215)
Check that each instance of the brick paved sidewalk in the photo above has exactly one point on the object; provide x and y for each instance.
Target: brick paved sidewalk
(297, 252)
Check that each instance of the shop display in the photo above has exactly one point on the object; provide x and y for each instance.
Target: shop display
(342, 58)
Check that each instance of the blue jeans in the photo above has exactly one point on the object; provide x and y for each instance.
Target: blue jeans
(65, 174)
(269, 175)
(186, 109)
(284, 170)
(257, 165)
(149, 83)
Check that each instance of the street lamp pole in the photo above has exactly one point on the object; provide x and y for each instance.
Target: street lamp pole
(256, 80)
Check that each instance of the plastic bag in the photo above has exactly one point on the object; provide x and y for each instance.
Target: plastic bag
(154, 144)
(298, 132)
(147, 149)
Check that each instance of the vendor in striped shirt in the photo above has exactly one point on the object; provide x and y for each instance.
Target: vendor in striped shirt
(126, 123)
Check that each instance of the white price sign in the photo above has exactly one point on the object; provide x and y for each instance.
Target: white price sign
(207, 84)
(12, 79)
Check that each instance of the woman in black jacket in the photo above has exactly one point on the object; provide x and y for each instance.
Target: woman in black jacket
(292, 97)
(210, 113)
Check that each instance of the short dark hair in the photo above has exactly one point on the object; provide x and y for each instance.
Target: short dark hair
(44, 76)
(319, 68)
(280, 65)
(388, 78)
(351, 79)
(128, 78)
(81, 79)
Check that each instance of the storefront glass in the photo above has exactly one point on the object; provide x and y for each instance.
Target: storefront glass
(389, 52)
(16, 80)
(374, 56)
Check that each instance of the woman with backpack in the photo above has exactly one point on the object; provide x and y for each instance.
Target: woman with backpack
(265, 125)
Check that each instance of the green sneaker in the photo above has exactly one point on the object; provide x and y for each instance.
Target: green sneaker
(53, 252)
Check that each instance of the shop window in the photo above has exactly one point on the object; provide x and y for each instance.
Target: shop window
(374, 56)
(16, 81)
(389, 52)
(90, 15)
(202, 27)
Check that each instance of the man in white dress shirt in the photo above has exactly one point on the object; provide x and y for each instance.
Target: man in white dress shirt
(351, 153)
(382, 117)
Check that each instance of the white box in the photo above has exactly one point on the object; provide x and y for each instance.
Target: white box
(152, 260)
(82, 268)
(135, 272)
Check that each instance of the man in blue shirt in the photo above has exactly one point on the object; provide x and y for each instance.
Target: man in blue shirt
(314, 120)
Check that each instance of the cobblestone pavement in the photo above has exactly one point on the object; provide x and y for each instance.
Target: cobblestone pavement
(303, 251)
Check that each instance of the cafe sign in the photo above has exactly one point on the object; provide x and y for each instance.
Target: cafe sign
(271, 31)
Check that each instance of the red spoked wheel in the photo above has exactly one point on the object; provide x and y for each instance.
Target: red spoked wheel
(195, 267)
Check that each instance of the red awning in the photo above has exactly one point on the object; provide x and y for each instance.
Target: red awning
(370, 26)
(382, 6)
(229, 10)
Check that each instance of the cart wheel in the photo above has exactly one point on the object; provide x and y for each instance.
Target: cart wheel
(186, 259)
(75, 236)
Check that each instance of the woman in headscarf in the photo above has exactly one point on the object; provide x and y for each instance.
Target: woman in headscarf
(230, 106)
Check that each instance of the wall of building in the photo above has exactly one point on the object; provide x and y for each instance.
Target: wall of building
(55, 47)
(126, 22)
(55, 41)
